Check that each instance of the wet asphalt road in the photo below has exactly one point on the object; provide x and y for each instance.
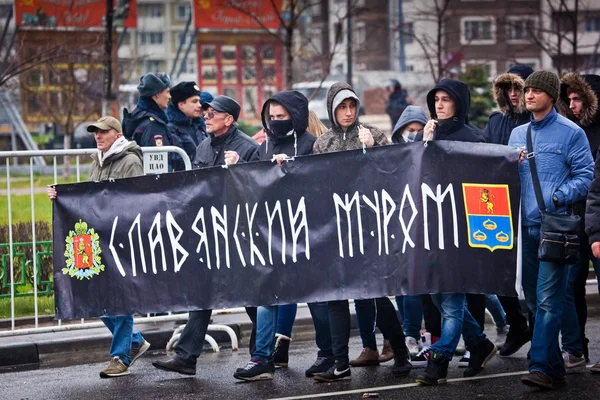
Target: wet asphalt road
(214, 380)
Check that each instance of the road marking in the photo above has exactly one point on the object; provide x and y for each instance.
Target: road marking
(392, 387)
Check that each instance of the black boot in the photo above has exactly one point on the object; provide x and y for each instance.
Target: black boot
(481, 353)
(280, 355)
(514, 341)
(436, 372)
(402, 365)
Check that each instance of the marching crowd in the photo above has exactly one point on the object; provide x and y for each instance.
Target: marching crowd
(555, 123)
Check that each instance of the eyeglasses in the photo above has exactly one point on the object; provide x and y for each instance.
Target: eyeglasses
(211, 114)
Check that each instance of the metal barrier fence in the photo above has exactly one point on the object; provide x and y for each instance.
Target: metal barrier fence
(46, 250)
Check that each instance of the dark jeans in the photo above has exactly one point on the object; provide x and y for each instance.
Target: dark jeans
(432, 316)
(583, 270)
(476, 306)
(251, 311)
(387, 321)
(189, 345)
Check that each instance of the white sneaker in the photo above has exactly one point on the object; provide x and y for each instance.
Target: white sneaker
(573, 364)
(464, 362)
(412, 345)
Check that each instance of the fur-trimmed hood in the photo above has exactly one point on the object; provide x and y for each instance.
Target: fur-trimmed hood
(501, 86)
(588, 87)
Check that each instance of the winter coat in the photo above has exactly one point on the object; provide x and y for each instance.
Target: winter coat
(185, 133)
(336, 139)
(299, 142)
(502, 123)
(588, 87)
(396, 104)
(411, 114)
(458, 127)
(146, 122)
(123, 160)
(564, 164)
(211, 151)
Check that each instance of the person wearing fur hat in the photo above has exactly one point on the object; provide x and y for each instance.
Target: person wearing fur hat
(565, 170)
(578, 101)
(185, 121)
(510, 99)
(147, 124)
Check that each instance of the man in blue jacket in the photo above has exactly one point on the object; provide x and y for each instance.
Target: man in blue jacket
(565, 169)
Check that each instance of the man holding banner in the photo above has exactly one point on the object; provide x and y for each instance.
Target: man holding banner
(116, 158)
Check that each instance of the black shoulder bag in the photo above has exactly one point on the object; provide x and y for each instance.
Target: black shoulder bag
(559, 239)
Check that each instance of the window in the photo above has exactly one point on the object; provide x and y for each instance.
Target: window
(592, 24)
(151, 38)
(408, 32)
(360, 35)
(155, 10)
(182, 12)
(189, 67)
(478, 30)
(520, 28)
(152, 65)
(187, 39)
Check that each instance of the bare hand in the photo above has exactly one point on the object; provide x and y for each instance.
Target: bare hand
(365, 137)
(523, 154)
(51, 192)
(429, 129)
(596, 249)
(280, 158)
(231, 157)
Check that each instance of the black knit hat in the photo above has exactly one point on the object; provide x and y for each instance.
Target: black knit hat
(153, 83)
(183, 91)
(546, 81)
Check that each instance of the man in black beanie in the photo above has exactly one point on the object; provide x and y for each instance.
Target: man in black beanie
(147, 124)
(185, 121)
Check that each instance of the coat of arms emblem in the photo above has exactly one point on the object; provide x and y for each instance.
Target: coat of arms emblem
(83, 251)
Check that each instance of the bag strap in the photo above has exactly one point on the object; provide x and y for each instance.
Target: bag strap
(533, 169)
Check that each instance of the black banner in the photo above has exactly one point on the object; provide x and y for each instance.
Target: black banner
(393, 220)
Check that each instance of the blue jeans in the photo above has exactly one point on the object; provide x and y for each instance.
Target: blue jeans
(366, 316)
(190, 342)
(411, 313)
(123, 338)
(285, 319)
(457, 320)
(320, 316)
(569, 326)
(495, 308)
(544, 284)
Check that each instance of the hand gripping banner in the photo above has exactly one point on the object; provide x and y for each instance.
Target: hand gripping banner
(402, 219)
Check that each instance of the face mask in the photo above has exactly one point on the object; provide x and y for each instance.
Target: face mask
(281, 128)
(408, 136)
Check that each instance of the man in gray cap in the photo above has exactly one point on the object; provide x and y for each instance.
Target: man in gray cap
(225, 139)
(147, 124)
(565, 169)
(116, 158)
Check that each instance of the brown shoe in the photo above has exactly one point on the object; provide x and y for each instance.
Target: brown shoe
(387, 353)
(538, 380)
(366, 358)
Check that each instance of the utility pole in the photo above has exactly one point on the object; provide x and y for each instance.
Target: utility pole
(349, 42)
(401, 53)
(108, 95)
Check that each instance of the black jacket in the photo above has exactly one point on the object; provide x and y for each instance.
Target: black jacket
(146, 122)
(396, 104)
(501, 123)
(185, 133)
(211, 151)
(458, 127)
(297, 143)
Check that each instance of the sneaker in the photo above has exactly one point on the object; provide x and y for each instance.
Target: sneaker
(436, 372)
(538, 380)
(366, 358)
(255, 370)
(464, 361)
(573, 364)
(387, 353)
(514, 341)
(115, 368)
(421, 359)
(280, 355)
(412, 345)
(595, 368)
(337, 372)
(402, 366)
(321, 365)
(481, 353)
(137, 352)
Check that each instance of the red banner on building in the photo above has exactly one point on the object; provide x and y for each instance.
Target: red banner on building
(73, 13)
(237, 14)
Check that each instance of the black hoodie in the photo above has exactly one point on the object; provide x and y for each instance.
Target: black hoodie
(297, 143)
(458, 127)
